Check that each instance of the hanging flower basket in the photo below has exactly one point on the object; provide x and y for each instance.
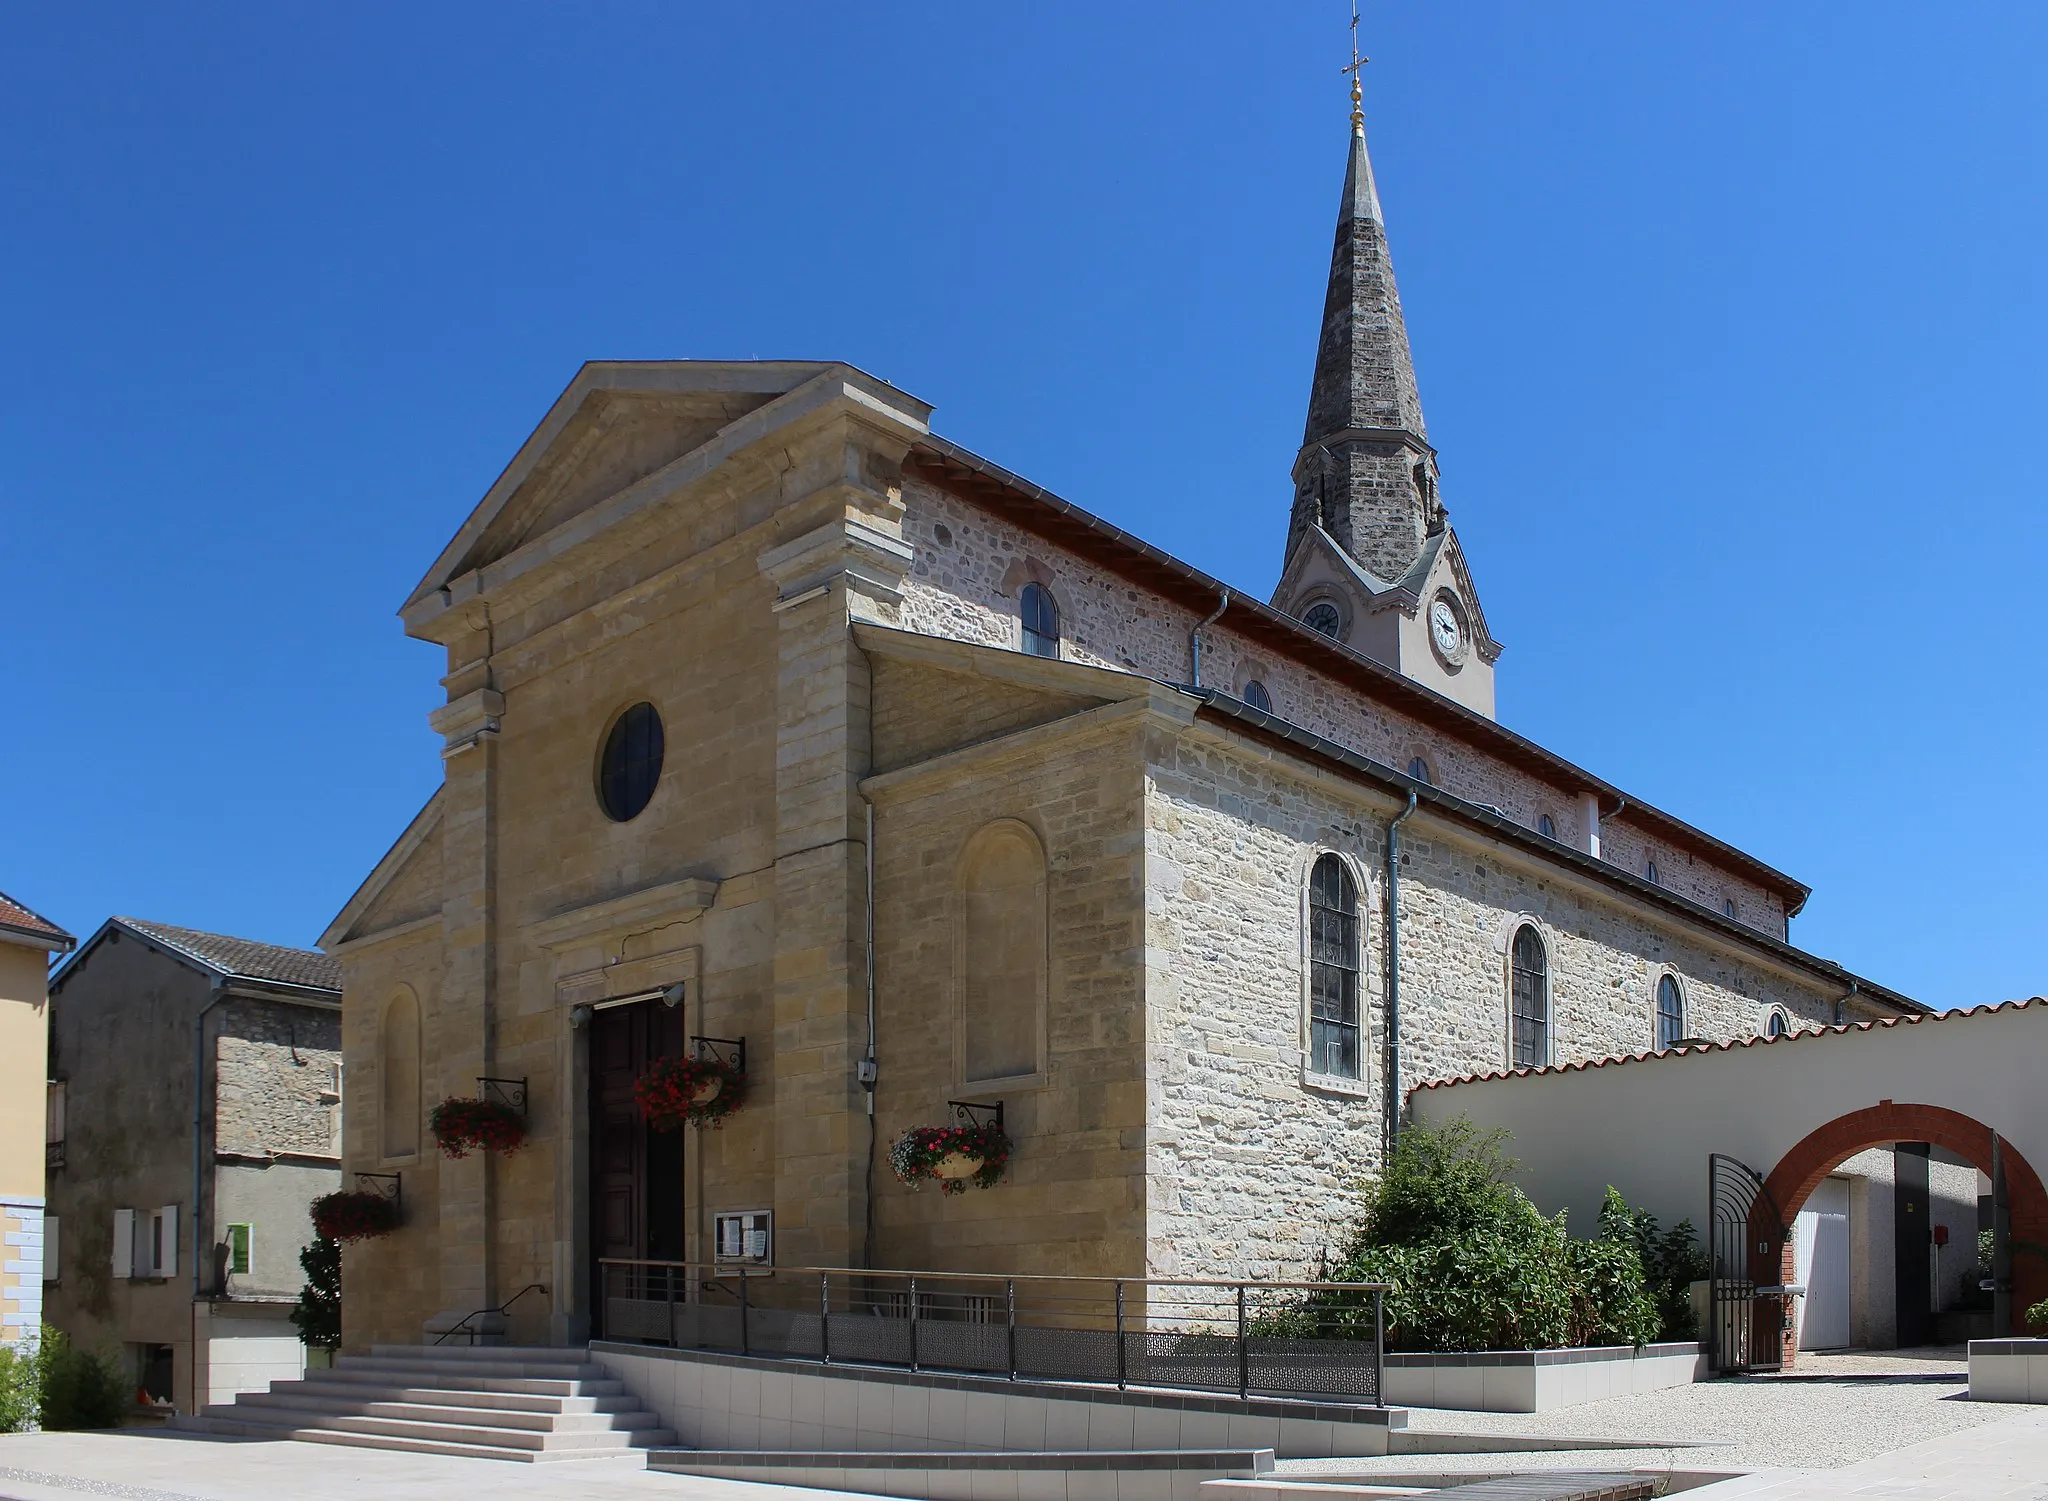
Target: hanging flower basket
(675, 1092)
(464, 1126)
(951, 1156)
(354, 1214)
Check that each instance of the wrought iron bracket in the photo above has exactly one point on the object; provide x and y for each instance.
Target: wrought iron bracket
(977, 1112)
(730, 1051)
(389, 1185)
(511, 1093)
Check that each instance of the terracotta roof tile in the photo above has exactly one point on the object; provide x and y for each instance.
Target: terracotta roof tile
(1726, 1047)
(14, 915)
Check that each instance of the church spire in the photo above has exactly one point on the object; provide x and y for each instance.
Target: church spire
(1366, 473)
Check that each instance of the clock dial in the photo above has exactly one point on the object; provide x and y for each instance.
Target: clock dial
(1443, 625)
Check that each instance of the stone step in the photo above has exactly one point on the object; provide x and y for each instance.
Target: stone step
(235, 1428)
(348, 1392)
(435, 1372)
(474, 1435)
(304, 1407)
(417, 1377)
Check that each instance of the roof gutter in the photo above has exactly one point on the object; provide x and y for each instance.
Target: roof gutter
(1401, 785)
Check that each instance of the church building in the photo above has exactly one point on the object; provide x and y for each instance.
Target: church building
(776, 719)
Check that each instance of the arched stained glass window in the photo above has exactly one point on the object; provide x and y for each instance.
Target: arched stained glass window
(1041, 621)
(1419, 769)
(1529, 999)
(1670, 1012)
(1776, 1026)
(1256, 697)
(1333, 964)
(1547, 826)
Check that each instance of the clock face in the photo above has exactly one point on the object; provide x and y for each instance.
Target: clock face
(1443, 627)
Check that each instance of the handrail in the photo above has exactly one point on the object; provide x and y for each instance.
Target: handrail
(729, 1270)
(460, 1324)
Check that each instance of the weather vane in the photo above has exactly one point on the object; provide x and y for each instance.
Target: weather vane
(1357, 62)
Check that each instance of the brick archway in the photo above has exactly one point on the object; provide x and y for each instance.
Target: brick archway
(1800, 1171)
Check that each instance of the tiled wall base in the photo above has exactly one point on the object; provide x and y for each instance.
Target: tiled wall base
(1539, 1380)
(987, 1477)
(730, 1402)
(2009, 1370)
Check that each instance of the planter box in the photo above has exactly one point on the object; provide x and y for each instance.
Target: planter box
(2009, 1370)
(1539, 1380)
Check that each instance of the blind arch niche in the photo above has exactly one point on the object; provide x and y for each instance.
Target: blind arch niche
(398, 1083)
(1002, 957)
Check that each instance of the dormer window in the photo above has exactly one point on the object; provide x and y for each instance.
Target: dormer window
(1324, 616)
(1041, 621)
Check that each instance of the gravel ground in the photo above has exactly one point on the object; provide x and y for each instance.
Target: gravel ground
(1751, 1424)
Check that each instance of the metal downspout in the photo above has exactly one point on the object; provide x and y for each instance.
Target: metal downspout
(1393, 1130)
(1195, 640)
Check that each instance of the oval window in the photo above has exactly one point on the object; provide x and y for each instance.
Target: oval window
(631, 763)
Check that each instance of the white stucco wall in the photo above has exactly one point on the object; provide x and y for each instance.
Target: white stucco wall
(1647, 1126)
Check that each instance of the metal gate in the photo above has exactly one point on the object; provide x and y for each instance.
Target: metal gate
(1746, 1316)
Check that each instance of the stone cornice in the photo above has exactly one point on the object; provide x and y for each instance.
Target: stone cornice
(981, 760)
(650, 906)
(392, 934)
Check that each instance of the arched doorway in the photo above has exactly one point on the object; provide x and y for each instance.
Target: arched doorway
(1800, 1171)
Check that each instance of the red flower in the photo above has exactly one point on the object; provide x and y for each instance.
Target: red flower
(675, 1092)
(921, 1150)
(463, 1126)
(353, 1215)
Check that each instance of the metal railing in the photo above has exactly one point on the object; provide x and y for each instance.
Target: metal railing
(1320, 1339)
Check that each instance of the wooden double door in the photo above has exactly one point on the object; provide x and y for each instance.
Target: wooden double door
(636, 1174)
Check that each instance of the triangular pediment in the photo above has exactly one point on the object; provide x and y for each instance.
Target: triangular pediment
(405, 886)
(1443, 567)
(616, 424)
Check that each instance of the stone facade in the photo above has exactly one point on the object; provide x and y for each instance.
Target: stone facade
(821, 602)
(132, 1016)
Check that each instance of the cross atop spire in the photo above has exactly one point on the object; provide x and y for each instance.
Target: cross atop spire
(1366, 473)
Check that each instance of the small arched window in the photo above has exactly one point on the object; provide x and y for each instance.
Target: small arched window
(1728, 905)
(1650, 872)
(1670, 1012)
(1776, 1026)
(1419, 769)
(1529, 999)
(1041, 621)
(630, 764)
(1325, 617)
(1256, 697)
(1547, 826)
(1333, 965)
(398, 1058)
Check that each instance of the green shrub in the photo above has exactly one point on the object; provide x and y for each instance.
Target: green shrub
(80, 1389)
(318, 1314)
(2037, 1316)
(1672, 1261)
(21, 1388)
(1473, 1264)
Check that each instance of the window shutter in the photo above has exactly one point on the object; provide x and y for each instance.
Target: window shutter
(49, 1248)
(124, 1242)
(167, 1258)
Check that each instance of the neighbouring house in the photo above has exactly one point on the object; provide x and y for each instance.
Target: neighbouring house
(27, 943)
(198, 1078)
(773, 717)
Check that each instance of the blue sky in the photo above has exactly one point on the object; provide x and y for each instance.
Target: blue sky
(1729, 321)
